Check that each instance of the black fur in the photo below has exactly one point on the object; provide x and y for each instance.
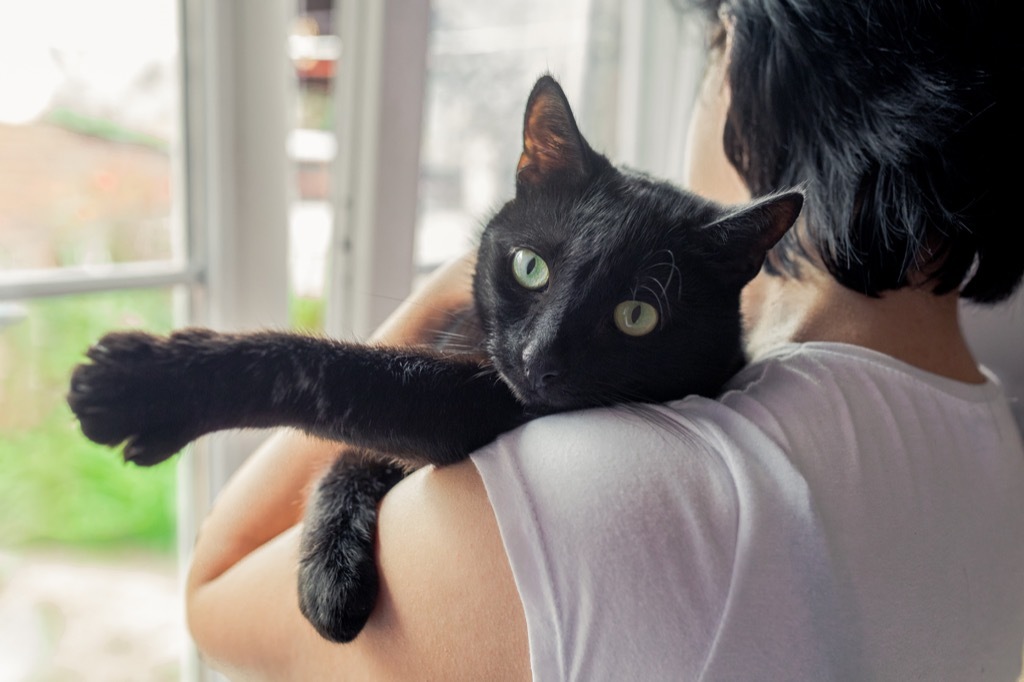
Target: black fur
(338, 580)
(607, 235)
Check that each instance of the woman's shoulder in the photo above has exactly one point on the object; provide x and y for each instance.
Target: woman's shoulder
(614, 505)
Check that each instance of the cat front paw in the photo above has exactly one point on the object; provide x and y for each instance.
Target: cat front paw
(338, 579)
(337, 592)
(135, 389)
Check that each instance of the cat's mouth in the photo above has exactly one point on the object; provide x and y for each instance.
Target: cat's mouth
(540, 402)
(541, 397)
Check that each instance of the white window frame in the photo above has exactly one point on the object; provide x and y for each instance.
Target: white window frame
(236, 99)
(235, 102)
(376, 170)
(660, 45)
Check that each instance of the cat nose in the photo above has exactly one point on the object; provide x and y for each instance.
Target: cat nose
(542, 365)
(543, 372)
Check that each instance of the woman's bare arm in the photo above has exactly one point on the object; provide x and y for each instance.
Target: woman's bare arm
(448, 608)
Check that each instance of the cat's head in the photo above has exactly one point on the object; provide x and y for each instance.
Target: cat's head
(598, 285)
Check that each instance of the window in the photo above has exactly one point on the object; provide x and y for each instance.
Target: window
(91, 239)
(482, 60)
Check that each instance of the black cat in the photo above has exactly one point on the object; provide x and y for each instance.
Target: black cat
(593, 286)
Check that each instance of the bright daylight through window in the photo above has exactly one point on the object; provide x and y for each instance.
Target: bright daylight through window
(88, 127)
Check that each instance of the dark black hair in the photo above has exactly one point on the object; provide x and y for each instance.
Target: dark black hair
(897, 118)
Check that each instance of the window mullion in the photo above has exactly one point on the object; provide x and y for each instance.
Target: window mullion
(236, 96)
(378, 103)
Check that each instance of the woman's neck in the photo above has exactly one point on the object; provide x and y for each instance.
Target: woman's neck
(911, 325)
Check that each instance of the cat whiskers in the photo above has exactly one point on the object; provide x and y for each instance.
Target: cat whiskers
(655, 414)
(455, 342)
(488, 371)
(658, 297)
(660, 417)
(650, 280)
(443, 331)
(674, 273)
(610, 393)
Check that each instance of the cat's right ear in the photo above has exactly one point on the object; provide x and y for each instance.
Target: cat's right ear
(554, 151)
(737, 244)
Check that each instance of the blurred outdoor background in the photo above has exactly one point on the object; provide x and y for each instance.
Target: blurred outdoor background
(88, 582)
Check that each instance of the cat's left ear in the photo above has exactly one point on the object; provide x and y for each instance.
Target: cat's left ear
(738, 242)
(554, 151)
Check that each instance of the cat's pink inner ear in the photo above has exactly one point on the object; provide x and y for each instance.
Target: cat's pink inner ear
(551, 144)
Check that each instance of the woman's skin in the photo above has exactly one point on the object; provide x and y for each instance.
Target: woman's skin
(449, 609)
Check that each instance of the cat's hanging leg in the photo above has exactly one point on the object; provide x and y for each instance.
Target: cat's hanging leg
(338, 579)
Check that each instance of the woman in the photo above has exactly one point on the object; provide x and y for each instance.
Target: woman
(850, 508)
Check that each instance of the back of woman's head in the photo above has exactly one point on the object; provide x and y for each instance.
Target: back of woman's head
(898, 116)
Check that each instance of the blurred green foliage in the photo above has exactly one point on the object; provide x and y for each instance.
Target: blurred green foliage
(103, 128)
(56, 486)
(306, 314)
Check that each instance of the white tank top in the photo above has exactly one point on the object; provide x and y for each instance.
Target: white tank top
(836, 514)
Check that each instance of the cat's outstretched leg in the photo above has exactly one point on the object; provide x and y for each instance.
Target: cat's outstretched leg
(156, 394)
(338, 580)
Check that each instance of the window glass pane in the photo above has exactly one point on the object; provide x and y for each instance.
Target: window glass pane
(483, 59)
(87, 565)
(88, 115)
(88, 125)
(314, 49)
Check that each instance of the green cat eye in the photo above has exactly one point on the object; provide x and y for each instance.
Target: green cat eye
(635, 318)
(529, 269)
